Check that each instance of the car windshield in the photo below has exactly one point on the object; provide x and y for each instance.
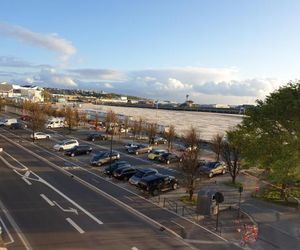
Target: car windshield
(211, 165)
(139, 174)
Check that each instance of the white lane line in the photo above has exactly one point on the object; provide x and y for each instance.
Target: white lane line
(78, 228)
(11, 240)
(27, 181)
(48, 184)
(128, 198)
(47, 200)
(15, 226)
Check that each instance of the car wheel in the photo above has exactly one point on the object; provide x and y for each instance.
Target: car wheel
(180, 159)
(72, 155)
(210, 175)
(148, 151)
(93, 139)
(48, 137)
(223, 171)
(125, 178)
(88, 152)
(168, 162)
(175, 185)
(60, 149)
(136, 152)
(99, 164)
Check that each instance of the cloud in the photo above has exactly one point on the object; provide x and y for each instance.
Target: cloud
(10, 61)
(52, 41)
(99, 74)
(51, 78)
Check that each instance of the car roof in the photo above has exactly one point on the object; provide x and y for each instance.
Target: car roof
(146, 170)
(154, 177)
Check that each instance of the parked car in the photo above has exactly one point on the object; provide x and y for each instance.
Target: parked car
(155, 154)
(154, 184)
(124, 173)
(160, 140)
(97, 137)
(130, 145)
(141, 173)
(104, 157)
(213, 168)
(25, 118)
(40, 135)
(139, 149)
(18, 125)
(169, 158)
(110, 169)
(66, 144)
(8, 122)
(79, 150)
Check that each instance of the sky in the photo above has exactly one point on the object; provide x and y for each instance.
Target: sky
(229, 51)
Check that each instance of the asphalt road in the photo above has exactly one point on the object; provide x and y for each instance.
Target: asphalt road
(121, 211)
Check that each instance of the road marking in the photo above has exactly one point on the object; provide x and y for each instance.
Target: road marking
(128, 198)
(47, 200)
(70, 210)
(49, 185)
(8, 233)
(15, 226)
(110, 196)
(134, 248)
(27, 181)
(78, 228)
(204, 241)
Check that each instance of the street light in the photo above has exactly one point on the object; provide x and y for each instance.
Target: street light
(111, 142)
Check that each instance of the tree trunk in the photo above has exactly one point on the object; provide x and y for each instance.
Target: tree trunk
(233, 177)
(283, 192)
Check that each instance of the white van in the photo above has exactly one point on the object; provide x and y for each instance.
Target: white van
(56, 124)
(8, 122)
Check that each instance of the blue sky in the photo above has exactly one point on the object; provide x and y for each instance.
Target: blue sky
(216, 51)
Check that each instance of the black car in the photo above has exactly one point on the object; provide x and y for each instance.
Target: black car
(18, 125)
(104, 157)
(124, 173)
(154, 184)
(141, 173)
(169, 158)
(97, 137)
(139, 149)
(79, 150)
(117, 164)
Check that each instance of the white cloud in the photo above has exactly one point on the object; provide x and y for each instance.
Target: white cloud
(99, 74)
(51, 41)
(51, 78)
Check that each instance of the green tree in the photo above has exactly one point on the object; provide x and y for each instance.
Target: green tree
(271, 135)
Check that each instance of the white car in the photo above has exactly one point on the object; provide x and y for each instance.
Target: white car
(66, 144)
(40, 135)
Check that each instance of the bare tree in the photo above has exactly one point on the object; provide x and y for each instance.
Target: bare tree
(135, 129)
(2, 103)
(190, 163)
(151, 130)
(76, 117)
(216, 145)
(38, 118)
(126, 124)
(111, 121)
(83, 117)
(96, 121)
(231, 153)
(140, 126)
(170, 136)
(70, 118)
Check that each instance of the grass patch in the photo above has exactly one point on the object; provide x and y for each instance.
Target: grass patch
(236, 185)
(274, 196)
(185, 200)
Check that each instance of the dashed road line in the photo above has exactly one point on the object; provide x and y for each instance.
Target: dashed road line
(47, 200)
(78, 228)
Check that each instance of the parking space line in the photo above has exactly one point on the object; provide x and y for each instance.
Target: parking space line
(128, 198)
(11, 240)
(47, 200)
(78, 228)
(27, 181)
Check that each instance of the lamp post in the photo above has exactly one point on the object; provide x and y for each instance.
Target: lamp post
(111, 142)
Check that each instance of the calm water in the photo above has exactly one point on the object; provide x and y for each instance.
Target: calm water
(207, 123)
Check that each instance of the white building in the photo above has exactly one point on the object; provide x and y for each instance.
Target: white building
(17, 92)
